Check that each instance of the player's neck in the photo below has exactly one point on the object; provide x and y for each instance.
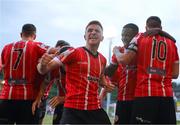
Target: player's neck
(27, 39)
(92, 49)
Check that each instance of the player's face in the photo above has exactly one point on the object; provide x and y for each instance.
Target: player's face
(126, 36)
(93, 34)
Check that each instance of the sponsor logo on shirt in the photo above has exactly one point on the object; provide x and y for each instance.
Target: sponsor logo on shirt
(92, 78)
(158, 71)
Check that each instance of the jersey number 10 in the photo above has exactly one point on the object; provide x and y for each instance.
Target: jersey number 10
(159, 50)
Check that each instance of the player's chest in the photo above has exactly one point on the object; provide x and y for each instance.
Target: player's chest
(89, 64)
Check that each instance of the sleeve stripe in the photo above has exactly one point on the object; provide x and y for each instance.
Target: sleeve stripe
(132, 49)
(57, 60)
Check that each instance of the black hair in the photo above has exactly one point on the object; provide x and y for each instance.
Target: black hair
(132, 26)
(94, 22)
(62, 43)
(153, 22)
(28, 29)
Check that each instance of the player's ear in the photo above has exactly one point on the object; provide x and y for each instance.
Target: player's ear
(146, 28)
(34, 36)
(85, 37)
(102, 38)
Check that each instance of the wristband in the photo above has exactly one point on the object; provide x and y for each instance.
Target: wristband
(117, 53)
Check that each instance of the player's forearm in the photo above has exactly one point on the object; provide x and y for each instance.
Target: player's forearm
(110, 70)
(102, 81)
(42, 89)
(42, 69)
(175, 71)
(119, 56)
(124, 58)
(52, 50)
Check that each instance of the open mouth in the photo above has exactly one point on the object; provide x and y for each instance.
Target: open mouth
(93, 37)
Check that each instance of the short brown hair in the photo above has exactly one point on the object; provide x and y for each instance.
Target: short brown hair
(153, 22)
(28, 29)
(94, 22)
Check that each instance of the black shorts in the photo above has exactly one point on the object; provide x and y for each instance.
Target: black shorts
(123, 112)
(58, 114)
(74, 116)
(16, 111)
(41, 111)
(153, 110)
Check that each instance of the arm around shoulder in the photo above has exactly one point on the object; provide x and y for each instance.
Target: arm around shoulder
(126, 58)
(48, 62)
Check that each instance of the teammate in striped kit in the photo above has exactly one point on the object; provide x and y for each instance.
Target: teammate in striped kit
(19, 60)
(57, 102)
(84, 74)
(157, 65)
(124, 76)
(57, 76)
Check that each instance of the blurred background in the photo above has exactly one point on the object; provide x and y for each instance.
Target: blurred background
(67, 19)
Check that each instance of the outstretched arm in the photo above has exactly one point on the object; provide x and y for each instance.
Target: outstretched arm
(154, 31)
(47, 63)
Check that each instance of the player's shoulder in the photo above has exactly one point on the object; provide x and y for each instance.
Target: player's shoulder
(80, 50)
(39, 44)
(9, 45)
(102, 56)
(139, 35)
(35, 42)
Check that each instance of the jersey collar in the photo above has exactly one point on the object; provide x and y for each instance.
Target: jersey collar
(95, 55)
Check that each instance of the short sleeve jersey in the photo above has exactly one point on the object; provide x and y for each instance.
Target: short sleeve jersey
(156, 56)
(19, 60)
(83, 71)
(125, 77)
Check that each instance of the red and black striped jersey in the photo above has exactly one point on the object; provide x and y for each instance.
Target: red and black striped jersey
(155, 58)
(56, 77)
(83, 72)
(125, 78)
(19, 60)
